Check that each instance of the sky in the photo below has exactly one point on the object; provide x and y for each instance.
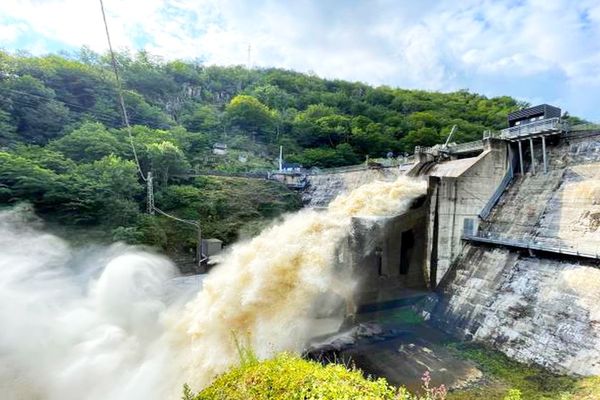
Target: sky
(540, 51)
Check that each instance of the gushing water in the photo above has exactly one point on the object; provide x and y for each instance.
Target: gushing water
(94, 323)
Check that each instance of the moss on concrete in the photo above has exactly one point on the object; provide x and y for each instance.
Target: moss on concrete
(534, 383)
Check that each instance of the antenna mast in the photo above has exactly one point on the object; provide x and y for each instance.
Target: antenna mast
(249, 54)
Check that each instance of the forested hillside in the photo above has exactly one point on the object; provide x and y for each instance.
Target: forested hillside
(64, 149)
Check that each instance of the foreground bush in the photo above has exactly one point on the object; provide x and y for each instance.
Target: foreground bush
(290, 377)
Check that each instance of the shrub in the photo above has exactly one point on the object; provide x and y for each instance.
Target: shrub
(290, 377)
(513, 394)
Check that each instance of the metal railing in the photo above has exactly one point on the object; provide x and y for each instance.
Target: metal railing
(499, 240)
(487, 209)
(423, 149)
(374, 163)
(492, 134)
(465, 147)
(337, 170)
(408, 160)
(584, 127)
(545, 125)
(213, 172)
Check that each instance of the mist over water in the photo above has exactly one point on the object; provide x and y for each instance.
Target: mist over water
(95, 323)
(79, 323)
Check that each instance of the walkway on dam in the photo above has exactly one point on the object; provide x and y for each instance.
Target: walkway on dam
(531, 245)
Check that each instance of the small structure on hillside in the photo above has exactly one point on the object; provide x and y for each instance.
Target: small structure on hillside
(293, 175)
(292, 167)
(220, 149)
(211, 247)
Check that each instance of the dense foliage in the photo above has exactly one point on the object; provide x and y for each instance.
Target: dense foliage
(46, 97)
(290, 377)
(63, 148)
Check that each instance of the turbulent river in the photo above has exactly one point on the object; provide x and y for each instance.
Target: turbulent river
(103, 322)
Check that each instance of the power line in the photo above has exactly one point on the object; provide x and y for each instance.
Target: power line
(185, 221)
(120, 92)
(105, 117)
(151, 205)
(29, 102)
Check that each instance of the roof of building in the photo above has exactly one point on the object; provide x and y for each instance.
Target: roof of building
(212, 240)
(291, 165)
(542, 109)
(455, 168)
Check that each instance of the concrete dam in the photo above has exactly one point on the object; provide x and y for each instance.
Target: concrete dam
(506, 239)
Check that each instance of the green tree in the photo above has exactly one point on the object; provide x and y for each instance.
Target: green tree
(513, 394)
(90, 142)
(20, 179)
(420, 137)
(38, 116)
(140, 112)
(332, 129)
(101, 191)
(305, 129)
(45, 157)
(326, 157)
(166, 159)
(273, 96)
(147, 75)
(249, 115)
(203, 119)
(8, 132)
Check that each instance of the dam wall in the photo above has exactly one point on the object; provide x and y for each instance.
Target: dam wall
(386, 255)
(458, 191)
(535, 310)
(535, 306)
(560, 208)
(322, 188)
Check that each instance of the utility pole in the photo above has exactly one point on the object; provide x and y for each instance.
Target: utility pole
(150, 194)
(199, 247)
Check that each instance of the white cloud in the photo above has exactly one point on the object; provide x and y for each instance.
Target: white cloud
(491, 46)
(9, 33)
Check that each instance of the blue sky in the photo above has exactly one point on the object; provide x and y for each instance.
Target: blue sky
(535, 50)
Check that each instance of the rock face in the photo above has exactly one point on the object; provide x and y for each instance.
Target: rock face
(536, 308)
